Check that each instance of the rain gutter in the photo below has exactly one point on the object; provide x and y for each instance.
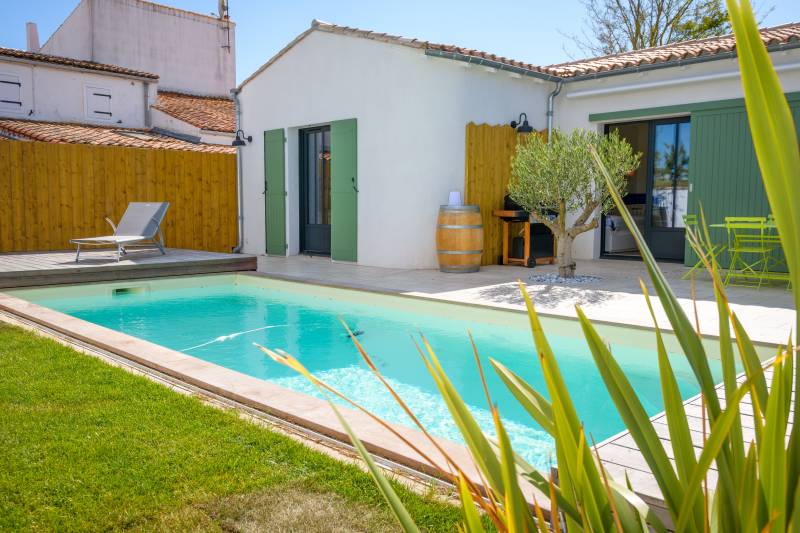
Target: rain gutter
(480, 61)
(676, 63)
(560, 81)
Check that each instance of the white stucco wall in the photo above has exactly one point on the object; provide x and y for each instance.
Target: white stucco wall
(56, 94)
(575, 104)
(73, 38)
(411, 111)
(185, 49)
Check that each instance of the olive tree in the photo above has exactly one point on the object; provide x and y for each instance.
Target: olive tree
(557, 179)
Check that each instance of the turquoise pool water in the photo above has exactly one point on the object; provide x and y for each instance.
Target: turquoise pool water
(218, 320)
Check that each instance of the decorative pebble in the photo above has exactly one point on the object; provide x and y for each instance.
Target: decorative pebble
(555, 279)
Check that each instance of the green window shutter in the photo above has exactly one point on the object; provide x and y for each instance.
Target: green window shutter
(275, 189)
(344, 191)
(723, 170)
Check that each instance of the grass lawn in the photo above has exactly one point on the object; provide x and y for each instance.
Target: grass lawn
(86, 446)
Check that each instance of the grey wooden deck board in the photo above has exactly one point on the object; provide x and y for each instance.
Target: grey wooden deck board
(620, 455)
(45, 268)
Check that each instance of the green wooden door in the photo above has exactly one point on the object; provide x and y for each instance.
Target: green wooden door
(344, 191)
(275, 191)
(723, 169)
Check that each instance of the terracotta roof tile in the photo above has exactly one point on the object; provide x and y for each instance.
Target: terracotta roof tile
(205, 112)
(76, 63)
(778, 35)
(71, 133)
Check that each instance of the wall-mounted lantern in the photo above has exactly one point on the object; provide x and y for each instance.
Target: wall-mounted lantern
(522, 125)
(240, 138)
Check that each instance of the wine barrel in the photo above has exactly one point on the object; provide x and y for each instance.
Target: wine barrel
(459, 238)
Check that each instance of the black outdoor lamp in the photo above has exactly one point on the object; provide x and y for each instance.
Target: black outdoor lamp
(522, 125)
(239, 140)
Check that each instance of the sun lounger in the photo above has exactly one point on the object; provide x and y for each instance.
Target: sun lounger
(140, 224)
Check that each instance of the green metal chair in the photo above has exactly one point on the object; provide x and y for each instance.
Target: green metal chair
(777, 269)
(691, 222)
(749, 250)
(776, 262)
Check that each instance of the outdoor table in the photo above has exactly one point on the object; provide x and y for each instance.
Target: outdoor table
(770, 225)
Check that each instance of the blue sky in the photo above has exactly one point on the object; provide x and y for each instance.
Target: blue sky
(527, 30)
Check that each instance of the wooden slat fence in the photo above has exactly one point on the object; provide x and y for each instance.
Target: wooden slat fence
(487, 169)
(50, 193)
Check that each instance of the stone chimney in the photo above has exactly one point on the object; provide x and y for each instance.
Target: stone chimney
(32, 33)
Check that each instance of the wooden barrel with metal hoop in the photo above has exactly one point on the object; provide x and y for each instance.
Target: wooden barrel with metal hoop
(459, 238)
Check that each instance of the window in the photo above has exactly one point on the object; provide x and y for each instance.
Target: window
(10, 92)
(98, 103)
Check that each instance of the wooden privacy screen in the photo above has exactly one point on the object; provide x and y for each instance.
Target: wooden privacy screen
(487, 168)
(50, 193)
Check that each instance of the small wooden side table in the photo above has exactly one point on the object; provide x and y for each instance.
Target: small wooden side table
(508, 217)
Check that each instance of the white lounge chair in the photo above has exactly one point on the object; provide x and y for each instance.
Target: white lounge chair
(140, 223)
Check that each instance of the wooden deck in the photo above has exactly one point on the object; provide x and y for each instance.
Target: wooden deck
(620, 455)
(51, 268)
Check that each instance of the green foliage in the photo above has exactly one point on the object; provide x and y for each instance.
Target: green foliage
(706, 18)
(758, 487)
(615, 26)
(553, 179)
(560, 175)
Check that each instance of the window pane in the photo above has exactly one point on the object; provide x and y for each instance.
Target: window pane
(682, 173)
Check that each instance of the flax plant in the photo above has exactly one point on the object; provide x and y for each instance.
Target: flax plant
(758, 486)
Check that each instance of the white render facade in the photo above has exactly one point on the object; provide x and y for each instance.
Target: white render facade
(190, 52)
(411, 109)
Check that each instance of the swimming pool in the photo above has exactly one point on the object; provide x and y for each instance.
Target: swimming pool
(217, 318)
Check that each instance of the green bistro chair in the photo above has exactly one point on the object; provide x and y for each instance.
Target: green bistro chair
(777, 269)
(749, 250)
(691, 222)
(776, 263)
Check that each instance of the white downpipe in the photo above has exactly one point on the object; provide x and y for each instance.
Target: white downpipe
(666, 83)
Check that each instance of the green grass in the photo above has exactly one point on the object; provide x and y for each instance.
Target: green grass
(86, 446)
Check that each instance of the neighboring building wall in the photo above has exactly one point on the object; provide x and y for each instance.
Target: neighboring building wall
(188, 51)
(573, 108)
(65, 95)
(73, 38)
(411, 111)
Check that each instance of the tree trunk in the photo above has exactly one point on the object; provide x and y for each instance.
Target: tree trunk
(566, 266)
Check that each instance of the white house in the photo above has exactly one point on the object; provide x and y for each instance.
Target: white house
(404, 114)
(358, 137)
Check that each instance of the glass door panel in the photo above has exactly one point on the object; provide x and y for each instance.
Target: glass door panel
(315, 185)
(662, 213)
(682, 153)
(669, 187)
